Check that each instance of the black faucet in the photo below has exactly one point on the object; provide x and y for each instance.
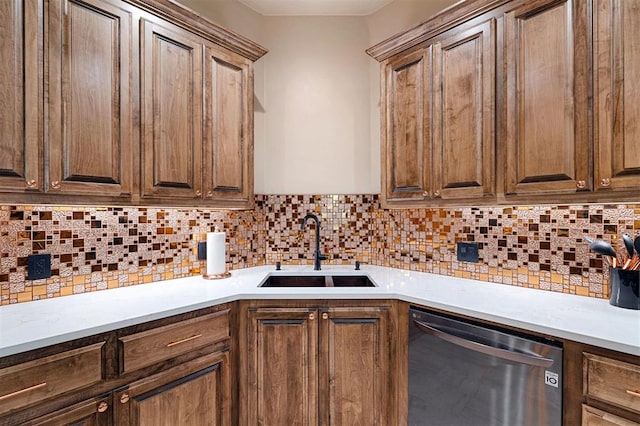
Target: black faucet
(318, 256)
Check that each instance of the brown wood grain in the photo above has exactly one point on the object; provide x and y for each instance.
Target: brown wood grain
(93, 412)
(616, 58)
(594, 417)
(612, 381)
(25, 384)
(149, 347)
(20, 94)
(90, 125)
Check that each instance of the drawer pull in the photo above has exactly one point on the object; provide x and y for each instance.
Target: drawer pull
(25, 390)
(633, 393)
(177, 342)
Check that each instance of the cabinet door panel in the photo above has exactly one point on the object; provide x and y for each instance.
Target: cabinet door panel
(96, 412)
(547, 144)
(229, 147)
(616, 92)
(90, 114)
(171, 87)
(196, 393)
(406, 142)
(464, 75)
(354, 366)
(20, 94)
(282, 355)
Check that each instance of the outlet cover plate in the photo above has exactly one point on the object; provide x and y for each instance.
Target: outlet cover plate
(467, 252)
(38, 266)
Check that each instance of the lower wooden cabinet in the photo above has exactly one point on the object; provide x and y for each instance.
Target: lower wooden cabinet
(93, 412)
(195, 393)
(614, 386)
(318, 365)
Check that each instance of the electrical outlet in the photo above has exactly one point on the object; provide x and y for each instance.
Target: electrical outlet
(202, 250)
(38, 266)
(467, 252)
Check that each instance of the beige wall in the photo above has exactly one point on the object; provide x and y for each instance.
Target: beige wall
(317, 124)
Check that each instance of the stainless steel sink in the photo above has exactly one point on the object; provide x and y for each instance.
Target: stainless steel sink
(317, 281)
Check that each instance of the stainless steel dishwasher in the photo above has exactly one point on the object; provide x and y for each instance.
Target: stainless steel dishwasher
(464, 373)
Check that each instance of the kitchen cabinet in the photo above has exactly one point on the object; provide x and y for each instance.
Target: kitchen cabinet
(330, 364)
(90, 101)
(187, 84)
(20, 95)
(610, 383)
(616, 66)
(194, 393)
(546, 80)
(124, 101)
(171, 371)
(93, 412)
(438, 142)
(171, 89)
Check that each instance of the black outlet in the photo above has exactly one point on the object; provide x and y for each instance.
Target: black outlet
(467, 252)
(202, 250)
(38, 266)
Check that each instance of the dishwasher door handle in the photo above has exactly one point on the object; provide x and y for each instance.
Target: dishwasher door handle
(485, 349)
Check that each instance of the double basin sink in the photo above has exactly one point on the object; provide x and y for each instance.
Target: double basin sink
(317, 281)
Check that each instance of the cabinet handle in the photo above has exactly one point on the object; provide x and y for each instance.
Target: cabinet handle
(581, 184)
(606, 182)
(21, 391)
(124, 398)
(187, 339)
(102, 407)
(31, 183)
(425, 194)
(325, 316)
(633, 393)
(312, 316)
(55, 184)
(209, 194)
(198, 193)
(436, 193)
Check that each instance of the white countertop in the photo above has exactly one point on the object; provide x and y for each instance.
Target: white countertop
(32, 325)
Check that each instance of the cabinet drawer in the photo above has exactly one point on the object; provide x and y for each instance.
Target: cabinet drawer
(33, 381)
(594, 417)
(612, 381)
(152, 346)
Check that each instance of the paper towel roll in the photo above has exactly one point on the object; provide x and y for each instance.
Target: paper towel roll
(216, 255)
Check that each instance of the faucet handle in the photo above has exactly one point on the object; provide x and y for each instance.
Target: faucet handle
(322, 256)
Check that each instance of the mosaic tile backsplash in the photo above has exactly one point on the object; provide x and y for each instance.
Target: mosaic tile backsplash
(95, 248)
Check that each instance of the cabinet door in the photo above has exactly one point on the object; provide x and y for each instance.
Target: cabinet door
(95, 412)
(20, 95)
(90, 103)
(594, 417)
(171, 101)
(282, 366)
(406, 140)
(463, 111)
(546, 127)
(196, 393)
(616, 88)
(229, 122)
(354, 366)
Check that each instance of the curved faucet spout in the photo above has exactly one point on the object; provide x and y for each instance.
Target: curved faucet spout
(318, 256)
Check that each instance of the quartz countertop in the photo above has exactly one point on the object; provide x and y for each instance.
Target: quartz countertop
(33, 325)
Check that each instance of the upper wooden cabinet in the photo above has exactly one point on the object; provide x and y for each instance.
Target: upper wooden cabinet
(171, 87)
(438, 112)
(104, 101)
(546, 127)
(90, 111)
(490, 102)
(228, 160)
(406, 153)
(616, 86)
(21, 95)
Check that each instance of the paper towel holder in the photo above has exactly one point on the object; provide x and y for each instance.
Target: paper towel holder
(226, 274)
